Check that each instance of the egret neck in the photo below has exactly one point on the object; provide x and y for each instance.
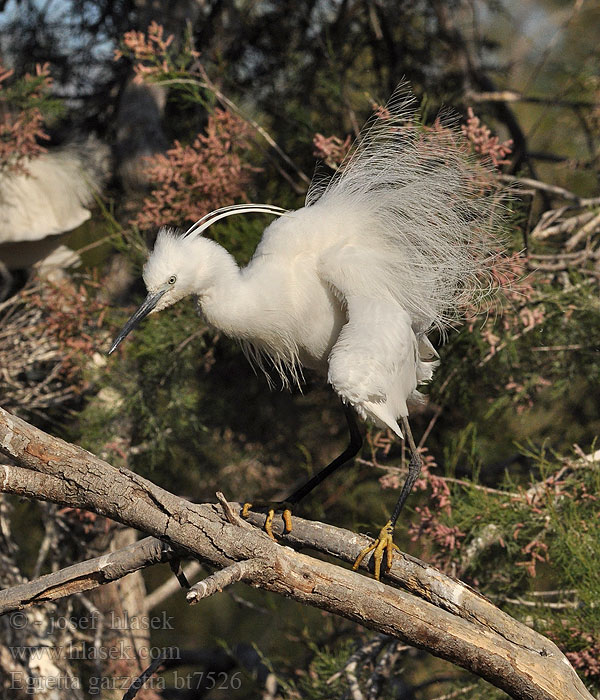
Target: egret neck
(227, 298)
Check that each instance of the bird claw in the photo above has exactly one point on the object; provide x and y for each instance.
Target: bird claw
(271, 507)
(384, 544)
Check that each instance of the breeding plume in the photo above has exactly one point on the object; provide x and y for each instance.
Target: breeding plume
(388, 248)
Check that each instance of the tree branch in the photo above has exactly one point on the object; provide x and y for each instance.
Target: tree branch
(551, 189)
(514, 96)
(86, 575)
(240, 571)
(445, 617)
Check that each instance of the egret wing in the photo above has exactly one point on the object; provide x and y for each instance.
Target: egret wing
(377, 361)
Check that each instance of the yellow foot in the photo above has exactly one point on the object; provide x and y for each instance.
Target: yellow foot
(383, 544)
(271, 507)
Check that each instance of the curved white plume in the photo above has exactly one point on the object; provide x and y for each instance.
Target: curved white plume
(212, 217)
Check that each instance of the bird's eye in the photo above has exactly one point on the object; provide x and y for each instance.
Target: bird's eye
(172, 279)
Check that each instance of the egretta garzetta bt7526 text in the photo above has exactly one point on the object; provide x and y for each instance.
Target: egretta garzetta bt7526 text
(384, 251)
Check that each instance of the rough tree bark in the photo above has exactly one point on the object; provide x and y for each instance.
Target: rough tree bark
(435, 612)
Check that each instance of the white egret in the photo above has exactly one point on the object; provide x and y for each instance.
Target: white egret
(40, 205)
(51, 197)
(389, 247)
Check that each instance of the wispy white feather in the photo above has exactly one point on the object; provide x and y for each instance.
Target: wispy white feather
(428, 215)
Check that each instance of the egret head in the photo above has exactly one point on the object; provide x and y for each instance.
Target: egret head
(170, 273)
(188, 264)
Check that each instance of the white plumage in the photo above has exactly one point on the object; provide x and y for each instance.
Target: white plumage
(54, 194)
(388, 248)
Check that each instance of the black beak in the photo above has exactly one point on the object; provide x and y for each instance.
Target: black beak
(149, 303)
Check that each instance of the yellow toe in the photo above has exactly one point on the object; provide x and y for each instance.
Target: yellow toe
(271, 508)
(269, 523)
(384, 544)
(287, 519)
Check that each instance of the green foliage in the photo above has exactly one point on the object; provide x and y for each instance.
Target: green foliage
(541, 344)
(326, 663)
(528, 535)
(575, 545)
(127, 240)
(158, 387)
(31, 92)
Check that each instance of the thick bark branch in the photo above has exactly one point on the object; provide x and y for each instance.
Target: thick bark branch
(457, 625)
(86, 575)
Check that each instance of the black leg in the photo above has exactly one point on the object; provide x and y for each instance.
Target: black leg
(177, 569)
(414, 469)
(350, 452)
(384, 544)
